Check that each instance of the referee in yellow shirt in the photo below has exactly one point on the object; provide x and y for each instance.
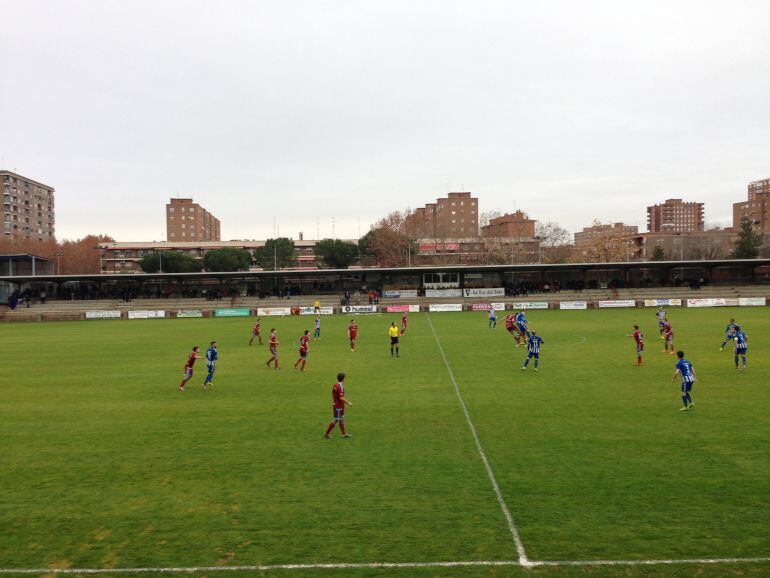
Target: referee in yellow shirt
(393, 332)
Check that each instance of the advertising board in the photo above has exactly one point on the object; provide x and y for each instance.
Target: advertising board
(189, 313)
(529, 305)
(402, 309)
(273, 311)
(436, 307)
(311, 310)
(232, 312)
(484, 292)
(573, 305)
(617, 303)
(662, 302)
(143, 314)
(443, 292)
(752, 301)
(103, 314)
(396, 293)
(346, 309)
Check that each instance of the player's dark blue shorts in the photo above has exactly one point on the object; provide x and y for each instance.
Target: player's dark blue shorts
(521, 327)
(210, 367)
(741, 350)
(686, 386)
(532, 354)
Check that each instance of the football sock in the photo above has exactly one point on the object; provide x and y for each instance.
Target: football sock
(723, 343)
(330, 428)
(684, 400)
(537, 362)
(638, 358)
(736, 361)
(744, 361)
(342, 427)
(303, 365)
(689, 399)
(526, 362)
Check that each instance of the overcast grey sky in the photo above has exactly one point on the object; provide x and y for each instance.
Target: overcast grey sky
(305, 111)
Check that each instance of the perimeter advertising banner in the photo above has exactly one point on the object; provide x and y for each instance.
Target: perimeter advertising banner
(752, 301)
(443, 292)
(190, 313)
(484, 292)
(662, 302)
(103, 314)
(345, 309)
(271, 311)
(618, 303)
(529, 305)
(311, 310)
(715, 302)
(573, 305)
(445, 307)
(402, 309)
(232, 312)
(488, 306)
(397, 293)
(142, 314)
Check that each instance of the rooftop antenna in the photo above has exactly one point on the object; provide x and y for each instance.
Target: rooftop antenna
(317, 228)
(359, 227)
(333, 222)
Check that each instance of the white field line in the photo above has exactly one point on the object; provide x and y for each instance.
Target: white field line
(490, 474)
(375, 565)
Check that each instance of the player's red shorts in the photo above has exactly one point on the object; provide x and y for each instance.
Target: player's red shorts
(303, 353)
(339, 412)
(274, 351)
(188, 371)
(639, 346)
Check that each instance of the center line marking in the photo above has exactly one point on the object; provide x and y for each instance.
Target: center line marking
(523, 560)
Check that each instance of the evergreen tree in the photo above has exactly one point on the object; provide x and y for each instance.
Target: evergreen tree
(748, 243)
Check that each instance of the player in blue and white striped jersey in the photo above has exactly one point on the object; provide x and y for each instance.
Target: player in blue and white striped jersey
(741, 346)
(730, 331)
(211, 361)
(685, 370)
(533, 349)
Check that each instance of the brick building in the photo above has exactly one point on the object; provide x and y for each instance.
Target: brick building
(602, 231)
(511, 225)
(188, 221)
(455, 215)
(675, 216)
(28, 208)
(756, 208)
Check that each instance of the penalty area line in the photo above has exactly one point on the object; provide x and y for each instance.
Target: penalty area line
(385, 565)
(523, 560)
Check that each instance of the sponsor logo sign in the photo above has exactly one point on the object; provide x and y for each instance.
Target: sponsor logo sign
(142, 314)
(402, 309)
(573, 305)
(529, 305)
(662, 302)
(358, 309)
(484, 292)
(232, 312)
(618, 303)
(752, 301)
(396, 293)
(189, 313)
(103, 314)
(715, 302)
(445, 307)
(443, 293)
(488, 306)
(272, 311)
(311, 310)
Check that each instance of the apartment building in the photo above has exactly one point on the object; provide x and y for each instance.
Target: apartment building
(188, 221)
(28, 208)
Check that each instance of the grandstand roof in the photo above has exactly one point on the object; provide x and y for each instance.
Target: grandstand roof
(516, 267)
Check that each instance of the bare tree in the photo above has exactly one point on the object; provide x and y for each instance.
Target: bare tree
(487, 216)
(551, 234)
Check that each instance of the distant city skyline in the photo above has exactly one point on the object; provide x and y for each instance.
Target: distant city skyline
(279, 117)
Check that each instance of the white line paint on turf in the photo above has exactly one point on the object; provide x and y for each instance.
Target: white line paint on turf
(375, 565)
(523, 560)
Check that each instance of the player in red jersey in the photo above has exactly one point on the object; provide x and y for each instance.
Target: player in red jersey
(272, 342)
(352, 334)
(338, 407)
(256, 332)
(639, 339)
(668, 335)
(404, 320)
(188, 366)
(303, 347)
(510, 327)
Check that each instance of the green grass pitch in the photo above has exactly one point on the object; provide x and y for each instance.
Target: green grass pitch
(104, 463)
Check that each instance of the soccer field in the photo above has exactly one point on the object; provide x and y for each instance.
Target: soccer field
(106, 464)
